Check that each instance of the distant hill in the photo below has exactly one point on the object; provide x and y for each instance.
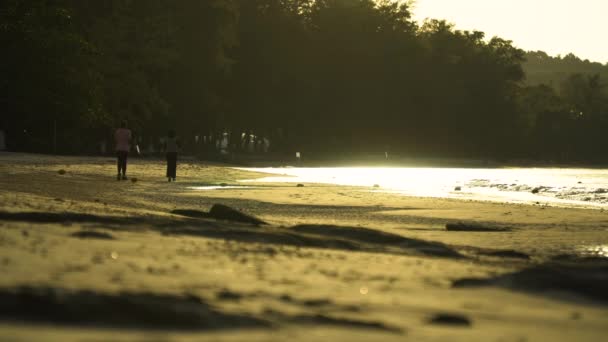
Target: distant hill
(541, 68)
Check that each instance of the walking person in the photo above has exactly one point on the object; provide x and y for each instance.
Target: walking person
(122, 137)
(171, 147)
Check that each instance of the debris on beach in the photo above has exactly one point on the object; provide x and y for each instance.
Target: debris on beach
(539, 189)
(474, 227)
(507, 254)
(91, 234)
(224, 212)
(220, 212)
(450, 319)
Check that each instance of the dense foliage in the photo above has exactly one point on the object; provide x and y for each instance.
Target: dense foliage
(325, 77)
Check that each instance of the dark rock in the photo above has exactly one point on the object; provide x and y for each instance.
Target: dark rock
(507, 254)
(91, 234)
(228, 295)
(473, 227)
(450, 319)
(133, 180)
(223, 212)
(317, 302)
(61, 172)
(300, 185)
(320, 319)
(286, 298)
(537, 190)
(457, 188)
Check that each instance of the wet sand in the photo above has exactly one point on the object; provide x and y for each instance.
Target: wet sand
(85, 257)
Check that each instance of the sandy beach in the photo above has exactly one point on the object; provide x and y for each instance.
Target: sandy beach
(85, 257)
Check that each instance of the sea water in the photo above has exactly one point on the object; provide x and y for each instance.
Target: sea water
(567, 187)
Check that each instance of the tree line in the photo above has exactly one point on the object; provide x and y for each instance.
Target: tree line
(324, 77)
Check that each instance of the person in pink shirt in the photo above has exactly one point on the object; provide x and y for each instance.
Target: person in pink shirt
(122, 137)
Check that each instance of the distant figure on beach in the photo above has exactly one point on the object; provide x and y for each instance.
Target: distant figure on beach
(171, 147)
(122, 137)
(2, 141)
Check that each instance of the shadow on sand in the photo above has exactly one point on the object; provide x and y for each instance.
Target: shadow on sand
(149, 311)
(128, 310)
(586, 277)
(246, 228)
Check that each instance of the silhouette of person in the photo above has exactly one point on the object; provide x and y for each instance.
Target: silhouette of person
(122, 137)
(171, 147)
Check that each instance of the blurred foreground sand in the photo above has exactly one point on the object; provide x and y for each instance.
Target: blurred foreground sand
(107, 260)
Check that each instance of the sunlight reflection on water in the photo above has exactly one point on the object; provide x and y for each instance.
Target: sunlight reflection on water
(219, 187)
(566, 187)
(597, 251)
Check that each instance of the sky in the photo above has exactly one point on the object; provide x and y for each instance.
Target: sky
(553, 26)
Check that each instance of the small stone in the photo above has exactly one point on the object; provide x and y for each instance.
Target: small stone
(300, 185)
(450, 319)
(228, 295)
(91, 234)
(457, 188)
(61, 172)
(133, 180)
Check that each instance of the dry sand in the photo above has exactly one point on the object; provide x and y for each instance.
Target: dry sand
(85, 257)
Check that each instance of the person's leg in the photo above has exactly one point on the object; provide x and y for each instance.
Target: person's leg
(174, 166)
(124, 165)
(118, 164)
(168, 159)
(171, 164)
